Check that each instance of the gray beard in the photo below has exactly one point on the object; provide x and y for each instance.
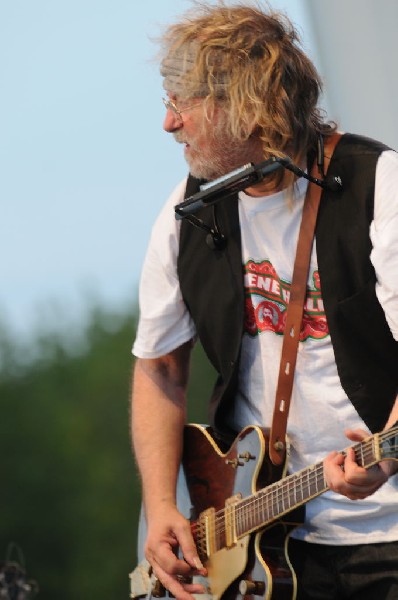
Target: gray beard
(225, 160)
(226, 152)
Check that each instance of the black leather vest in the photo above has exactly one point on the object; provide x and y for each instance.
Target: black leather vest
(211, 282)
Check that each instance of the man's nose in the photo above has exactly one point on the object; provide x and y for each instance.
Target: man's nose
(172, 121)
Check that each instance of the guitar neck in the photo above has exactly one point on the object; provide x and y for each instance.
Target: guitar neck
(293, 491)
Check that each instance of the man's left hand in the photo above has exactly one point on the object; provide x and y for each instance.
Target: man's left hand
(344, 476)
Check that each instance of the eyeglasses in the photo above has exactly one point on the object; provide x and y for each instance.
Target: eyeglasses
(170, 105)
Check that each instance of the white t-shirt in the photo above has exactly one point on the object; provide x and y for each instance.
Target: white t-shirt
(320, 410)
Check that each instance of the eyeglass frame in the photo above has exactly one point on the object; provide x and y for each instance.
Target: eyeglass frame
(171, 105)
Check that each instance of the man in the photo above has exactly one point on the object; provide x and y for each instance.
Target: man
(240, 90)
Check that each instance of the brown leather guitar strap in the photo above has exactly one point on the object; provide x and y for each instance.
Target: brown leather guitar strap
(294, 313)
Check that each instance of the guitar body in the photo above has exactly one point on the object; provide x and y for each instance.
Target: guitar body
(256, 564)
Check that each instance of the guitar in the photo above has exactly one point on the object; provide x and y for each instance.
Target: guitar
(243, 510)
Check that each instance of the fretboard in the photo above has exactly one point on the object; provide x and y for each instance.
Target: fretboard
(293, 491)
(272, 502)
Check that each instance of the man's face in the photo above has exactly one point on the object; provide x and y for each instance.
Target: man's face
(210, 149)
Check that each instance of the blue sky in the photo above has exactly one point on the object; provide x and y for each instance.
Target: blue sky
(84, 163)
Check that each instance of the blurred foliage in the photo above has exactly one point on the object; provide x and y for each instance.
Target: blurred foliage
(69, 491)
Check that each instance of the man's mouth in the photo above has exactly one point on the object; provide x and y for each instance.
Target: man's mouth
(180, 140)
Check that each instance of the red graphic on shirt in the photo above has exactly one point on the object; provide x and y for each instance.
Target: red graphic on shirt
(267, 298)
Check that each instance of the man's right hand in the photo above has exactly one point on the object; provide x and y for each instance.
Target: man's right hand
(171, 551)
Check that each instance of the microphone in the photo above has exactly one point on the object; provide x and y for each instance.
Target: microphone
(226, 186)
(242, 178)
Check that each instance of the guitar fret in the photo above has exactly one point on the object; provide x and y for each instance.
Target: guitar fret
(264, 511)
(239, 514)
(259, 511)
(298, 491)
(365, 453)
(362, 459)
(279, 503)
(313, 487)
(288, 497)
(295, 489)
(243, 519)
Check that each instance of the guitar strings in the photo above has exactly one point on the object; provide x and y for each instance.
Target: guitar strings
(270, 501)
(247, 507)
(308, 479)
(266, 502)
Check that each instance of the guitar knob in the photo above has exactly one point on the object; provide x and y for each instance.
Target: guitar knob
(251, 588)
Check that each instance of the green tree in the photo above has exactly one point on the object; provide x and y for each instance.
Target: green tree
(69, 491)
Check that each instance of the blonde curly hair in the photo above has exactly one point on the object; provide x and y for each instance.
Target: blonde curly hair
(250, 60)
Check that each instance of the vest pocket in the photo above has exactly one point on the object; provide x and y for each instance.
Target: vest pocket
(365, 317)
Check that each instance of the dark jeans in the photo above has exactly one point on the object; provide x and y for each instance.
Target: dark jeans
(362, 572)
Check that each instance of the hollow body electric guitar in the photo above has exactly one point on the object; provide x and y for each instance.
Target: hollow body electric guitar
(242, 510)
